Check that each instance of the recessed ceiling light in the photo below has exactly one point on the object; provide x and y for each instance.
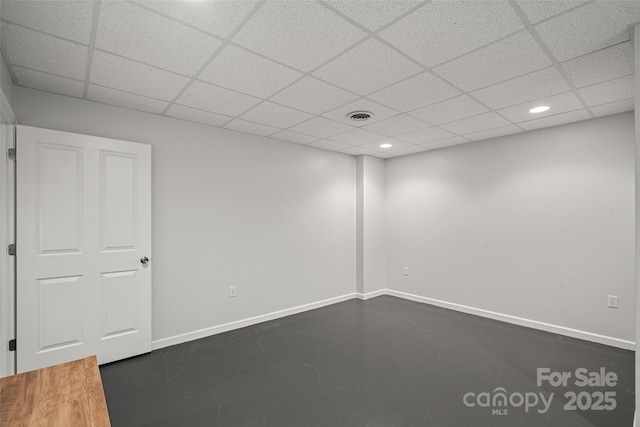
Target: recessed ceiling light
(386, 145)
(540, 109)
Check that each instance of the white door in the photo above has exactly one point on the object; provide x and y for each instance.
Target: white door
(83, 232)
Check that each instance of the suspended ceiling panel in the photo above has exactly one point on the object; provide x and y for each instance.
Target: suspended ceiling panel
(433, 73)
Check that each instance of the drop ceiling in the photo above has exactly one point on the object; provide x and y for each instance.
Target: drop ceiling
(434, 73)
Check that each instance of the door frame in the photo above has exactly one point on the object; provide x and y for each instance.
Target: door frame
(7, 236)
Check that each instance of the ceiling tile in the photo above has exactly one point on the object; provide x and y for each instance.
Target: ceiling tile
(313, 96)
(415, 92)
(35, 50)
(425, 136)
(357, 151)
(447, 111)
(216, 99)
(506, 59)
(276, 115)
(136, 33)
(409, 150)
(321, 127)
(395, 144)
(450, 142)
(129, 76)
(493, 133)
(373, 14)
(48, 82)
(604, 93)
(467, 25)
(124, 99)
(613, 107)
(380, 112)
(71, 20)
(198, 116)
(476, 123)
(297, 138)
(522, 89)
(368, 67)
(558, 119)
(357, 136)
(250, 127)
(470, 43)
(560, 103)
(600, 66)
(246, 72)
(589, 28)
(539, 10)
(396, 125)
(311, 36)
(216, 17)
(325, 144)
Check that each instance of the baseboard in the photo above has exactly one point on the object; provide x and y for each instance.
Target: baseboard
(202, 333)
(534, 324)
(369, 295)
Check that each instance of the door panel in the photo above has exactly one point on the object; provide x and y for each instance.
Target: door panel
(83, 224)
(118, 207)
(59, 204)
(60, 309)
(119, 303)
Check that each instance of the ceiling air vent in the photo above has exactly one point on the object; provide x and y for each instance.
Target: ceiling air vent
(360, 116)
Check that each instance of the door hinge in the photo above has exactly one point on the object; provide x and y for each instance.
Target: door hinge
(12, 345)
(11, 153)
(11, 249)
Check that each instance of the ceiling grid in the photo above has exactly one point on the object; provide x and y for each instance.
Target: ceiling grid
(433, 73)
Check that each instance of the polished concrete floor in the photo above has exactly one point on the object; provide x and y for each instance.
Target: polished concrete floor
(382, 362)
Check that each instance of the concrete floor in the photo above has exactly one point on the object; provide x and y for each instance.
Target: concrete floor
(382, 362)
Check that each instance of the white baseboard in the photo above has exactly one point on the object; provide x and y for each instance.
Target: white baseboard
(202, 333)
(534, 324)
(369, 295)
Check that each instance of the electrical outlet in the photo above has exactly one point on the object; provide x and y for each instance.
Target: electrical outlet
(232, 291)
(612, 301)
(406, 271)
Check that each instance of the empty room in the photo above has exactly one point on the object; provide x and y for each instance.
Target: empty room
(319, 213)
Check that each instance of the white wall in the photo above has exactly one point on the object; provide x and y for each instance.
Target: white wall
(6, 83)
(6, 220)
(371, 241)
(273, 218)
(636, 56)
(538, 225)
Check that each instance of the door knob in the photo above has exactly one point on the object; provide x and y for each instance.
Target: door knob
(144, 260)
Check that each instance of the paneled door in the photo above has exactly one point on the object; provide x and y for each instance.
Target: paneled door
(83, 248)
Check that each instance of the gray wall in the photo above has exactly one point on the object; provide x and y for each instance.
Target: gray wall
(273, 218)
(538, 225)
